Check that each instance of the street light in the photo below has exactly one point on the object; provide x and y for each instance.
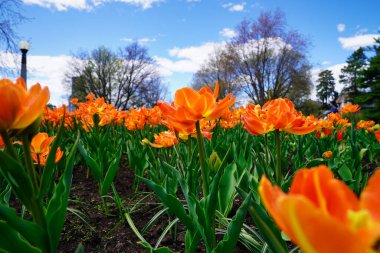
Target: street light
(24, 47)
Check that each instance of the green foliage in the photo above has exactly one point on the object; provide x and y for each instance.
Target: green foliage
(325, 86)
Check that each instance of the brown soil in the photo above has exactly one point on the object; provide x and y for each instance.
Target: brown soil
(101, 233)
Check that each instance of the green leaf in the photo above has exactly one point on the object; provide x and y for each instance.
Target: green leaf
(91, 163)
(315, 162)
(264, 223)
(32, 232)
(227, 189)
(11, 241)
(48, 170)
(57, 207)
(110, 175)
(175, 206)
(191, 241)
(233, 230)
(150, 249)
(345, 173)
(80, 248)
(362, 153)
(16, 176)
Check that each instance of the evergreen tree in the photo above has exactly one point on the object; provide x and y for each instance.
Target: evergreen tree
(325, 86)
(370, 81)
(351, 73)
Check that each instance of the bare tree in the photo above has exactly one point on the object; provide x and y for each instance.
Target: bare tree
(138, 71)
(149, 93)
(129, 78)
(94, 72)
(10, 17)
(220, 66)
(272, 60)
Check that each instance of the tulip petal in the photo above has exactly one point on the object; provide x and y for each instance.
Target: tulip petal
(370, 197)
(327, 193)
(314, 230)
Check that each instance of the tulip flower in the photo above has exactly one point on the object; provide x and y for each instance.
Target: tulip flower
(327, 154)
(40, 143)
(349, 108)
(40, 148)
(2, 144)
(322, 215)
(164, 139)
(41, 158)
(20, 107)
(278, 114)
(190, 106)
(377, 135)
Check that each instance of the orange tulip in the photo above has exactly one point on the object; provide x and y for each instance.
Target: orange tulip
(40, 143)
(189, 106)
(377, 135)
(277, 114)
(255, 120)
(322, 215)
(42, 157)
(2, 144)
(349, 108)
(20, 107)
(163, 140)
(327, 154)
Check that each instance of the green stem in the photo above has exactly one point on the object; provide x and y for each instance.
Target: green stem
(9, 145)
(266, 150)
(278, 151)
(202, 157)
(29, 163)
(37, 210)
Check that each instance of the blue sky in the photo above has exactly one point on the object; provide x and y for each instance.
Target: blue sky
(181, 33)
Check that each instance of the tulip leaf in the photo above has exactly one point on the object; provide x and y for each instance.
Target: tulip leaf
(32, 232)
(11, 241)
(345, 173)
(48, 170)
(264, 223)
(174, 205)
(150, 249)
(110, 174)
(315, 162)
(57, 207)
(191, 241)
(227, 189)
(91, 163)
(230, 239)
(16, 176)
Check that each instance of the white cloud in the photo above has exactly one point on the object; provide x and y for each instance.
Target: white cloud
(141, 41)
(46, 70)
(234, 7)
(341, 27)
(336, 70)
(228, 32)
(325, 63)
(353, 43)
(63, 5)
(186, 60)
(60, 5)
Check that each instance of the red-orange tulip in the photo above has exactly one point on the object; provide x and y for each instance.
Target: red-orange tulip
(377, 135)
(189, 106)
(41, 143)
(277, 114)
(42, 157)
(349, 108)
(322, 215)
(20, 107)
(327, 154)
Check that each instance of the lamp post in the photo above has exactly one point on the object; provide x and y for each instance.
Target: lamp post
(24, 47)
